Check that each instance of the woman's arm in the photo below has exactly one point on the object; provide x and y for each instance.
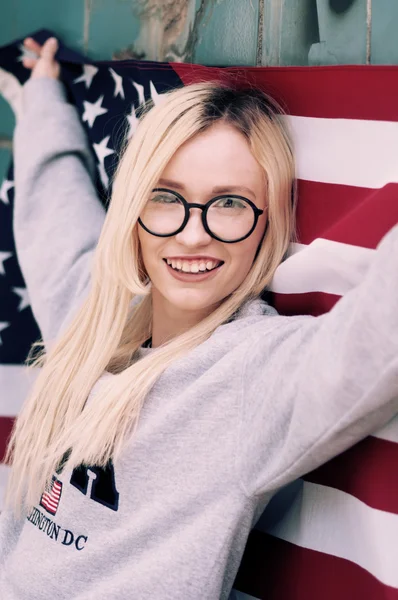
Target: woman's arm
(57, 214)
(313, 387)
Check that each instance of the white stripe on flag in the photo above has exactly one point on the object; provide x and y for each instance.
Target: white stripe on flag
(15, 382)
(368, 537)
(322, 266)
(345, 151)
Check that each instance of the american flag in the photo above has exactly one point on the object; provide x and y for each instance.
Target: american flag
(333, 534)
(50, 500)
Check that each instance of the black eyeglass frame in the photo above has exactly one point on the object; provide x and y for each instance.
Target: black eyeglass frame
(205, 208)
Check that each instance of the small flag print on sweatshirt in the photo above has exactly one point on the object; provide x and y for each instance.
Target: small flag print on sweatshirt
(50, 500)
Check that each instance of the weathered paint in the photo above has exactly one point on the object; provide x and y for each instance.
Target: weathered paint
(383, 35)
(213, 32)
(109, 26)
(228, 33)
(166, 29)
(290, 27)
(342, 33)
(314, 32)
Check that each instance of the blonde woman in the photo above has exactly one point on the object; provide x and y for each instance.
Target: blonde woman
(172, 401)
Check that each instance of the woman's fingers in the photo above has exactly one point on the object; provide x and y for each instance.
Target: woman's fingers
(45, 65)
(29, 63)
(32, 45)
(49, 49)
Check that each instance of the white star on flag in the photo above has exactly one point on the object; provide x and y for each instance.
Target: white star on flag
(3, 257)
(102, 151)
(89, 72)
(3, 325)
(156, 97)
(24, 297)
(93, 110)
(133, 122)
(6, 185)
(118, 79)
(140, 91)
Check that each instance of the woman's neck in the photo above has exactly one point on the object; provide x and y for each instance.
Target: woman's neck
(169, 321)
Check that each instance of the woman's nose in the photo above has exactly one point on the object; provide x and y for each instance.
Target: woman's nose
(194, 234)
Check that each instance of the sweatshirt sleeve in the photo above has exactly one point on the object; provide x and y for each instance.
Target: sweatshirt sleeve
(57, 214)
(312, 387)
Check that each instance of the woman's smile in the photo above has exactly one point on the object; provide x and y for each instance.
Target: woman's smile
(193, 270)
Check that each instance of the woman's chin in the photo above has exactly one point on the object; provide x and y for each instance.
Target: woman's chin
(192, 301)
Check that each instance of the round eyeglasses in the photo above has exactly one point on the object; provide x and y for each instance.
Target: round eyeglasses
(227, 218)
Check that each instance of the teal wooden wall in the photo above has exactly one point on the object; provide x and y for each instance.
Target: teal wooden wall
(213, 32)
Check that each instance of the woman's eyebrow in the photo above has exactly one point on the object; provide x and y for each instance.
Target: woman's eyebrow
(216, 190)
(172, 184)
(233, 188)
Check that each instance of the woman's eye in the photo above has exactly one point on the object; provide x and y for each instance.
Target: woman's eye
(230, 203)
(164, 199)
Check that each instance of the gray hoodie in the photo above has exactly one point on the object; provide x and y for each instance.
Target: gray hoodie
(264, 400)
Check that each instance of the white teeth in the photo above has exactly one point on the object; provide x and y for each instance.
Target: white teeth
(192, 267)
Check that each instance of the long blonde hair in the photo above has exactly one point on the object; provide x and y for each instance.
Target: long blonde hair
(57, 424)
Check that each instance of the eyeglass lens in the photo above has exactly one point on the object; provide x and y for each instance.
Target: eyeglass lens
(228, 218)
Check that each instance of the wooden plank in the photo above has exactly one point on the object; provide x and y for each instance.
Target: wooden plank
(384, 38)
(342, 33)
(160, 30)
(290, 27)
(111, 28)
(314, 32)
(210, 32)
(227, 32)
(167, 29)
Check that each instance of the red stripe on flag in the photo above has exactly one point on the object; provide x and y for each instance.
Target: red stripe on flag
(273, 569)
(6, 425)
(331, 92)
(366, 471)
(312, 303)
(342, 213)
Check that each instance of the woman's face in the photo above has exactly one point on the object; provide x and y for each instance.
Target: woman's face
(217, 161)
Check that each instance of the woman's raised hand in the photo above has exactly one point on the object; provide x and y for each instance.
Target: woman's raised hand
(45, 64)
